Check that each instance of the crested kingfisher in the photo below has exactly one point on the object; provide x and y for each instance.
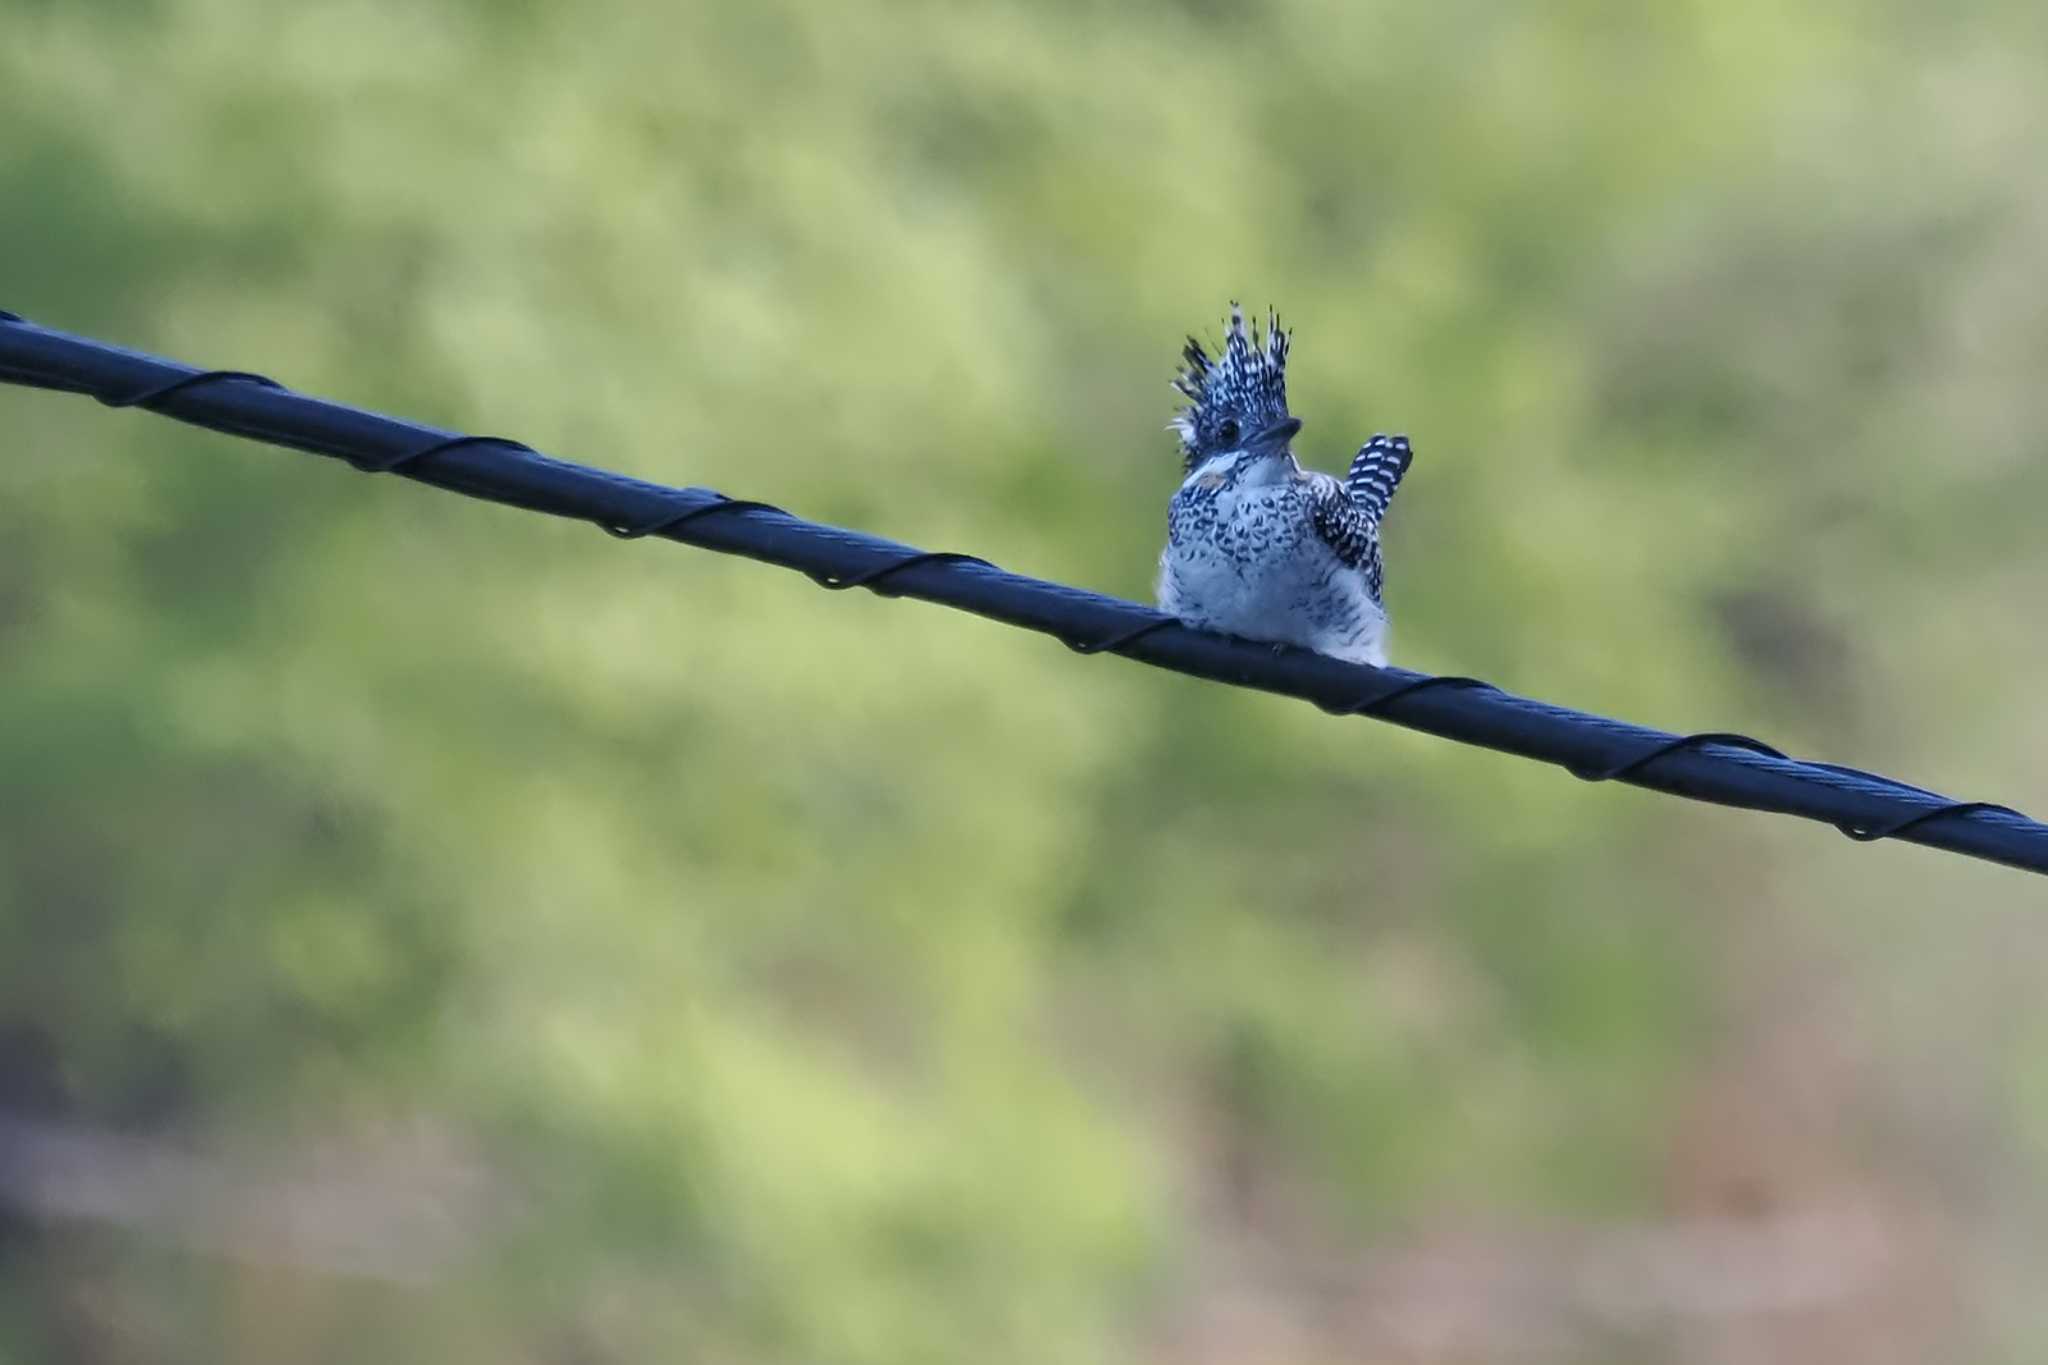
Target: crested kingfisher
(1257, 546)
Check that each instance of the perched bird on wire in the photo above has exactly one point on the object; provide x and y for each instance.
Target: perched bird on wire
(1256, 545)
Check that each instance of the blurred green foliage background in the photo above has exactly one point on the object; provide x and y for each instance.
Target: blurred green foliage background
(431, 932)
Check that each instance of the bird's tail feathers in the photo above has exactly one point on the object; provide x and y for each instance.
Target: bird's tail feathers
(1376, 472)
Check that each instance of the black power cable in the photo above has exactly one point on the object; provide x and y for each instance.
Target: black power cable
(1731, 770)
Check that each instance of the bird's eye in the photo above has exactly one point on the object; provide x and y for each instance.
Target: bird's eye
(1228, 431)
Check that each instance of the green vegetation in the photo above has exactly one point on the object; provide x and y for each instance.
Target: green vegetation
(735, 972)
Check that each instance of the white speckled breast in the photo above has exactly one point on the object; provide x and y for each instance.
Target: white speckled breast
(1244, 557)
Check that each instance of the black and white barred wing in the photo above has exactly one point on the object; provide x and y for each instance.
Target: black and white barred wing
(1348, 515)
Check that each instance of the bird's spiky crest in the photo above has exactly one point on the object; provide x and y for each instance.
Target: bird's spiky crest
(1245, 383)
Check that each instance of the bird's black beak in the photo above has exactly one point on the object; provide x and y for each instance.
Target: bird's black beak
(1273, 440)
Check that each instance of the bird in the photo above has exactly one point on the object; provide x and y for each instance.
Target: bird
(1256, 545)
